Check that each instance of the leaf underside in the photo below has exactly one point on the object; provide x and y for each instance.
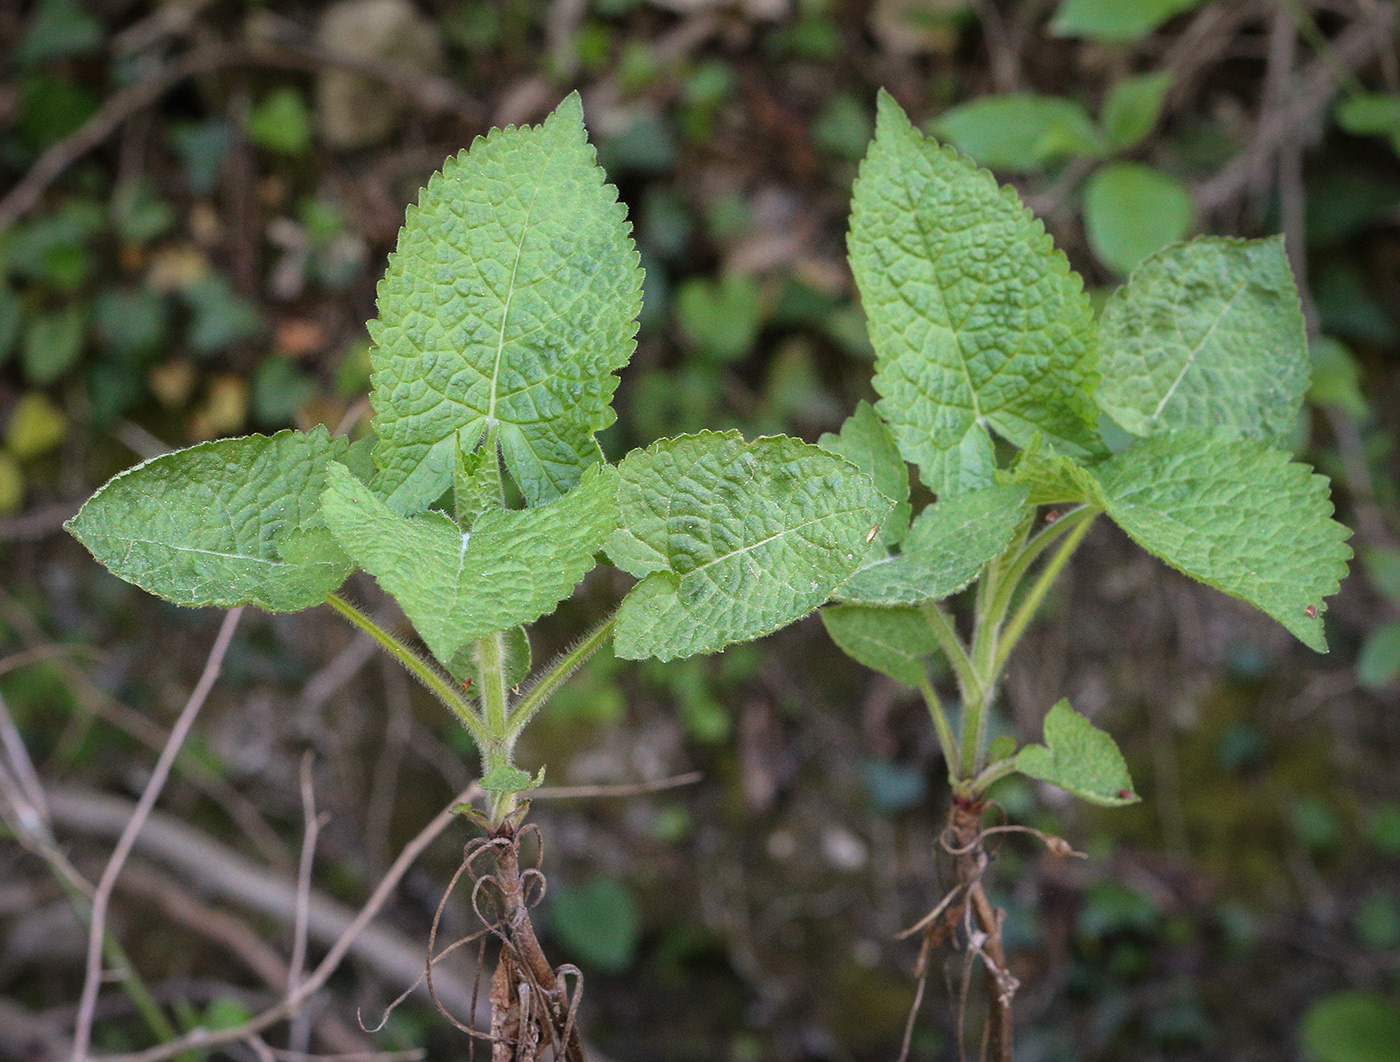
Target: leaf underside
(732, 540)
(225, 523)
(511, 300)
(510, 569)
(1207, 334)
(977, 321)
(1080, 758)
(893, 641)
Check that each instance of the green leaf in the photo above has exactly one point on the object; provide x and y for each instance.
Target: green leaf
(1351, 1027)
(1370, 114)
(1132, 211)
(1080, 758)
(476, 484)
(1054, 480)
(508, 779)
(58, 28)
(892, 641)
(53, 342)
(1207, 334)
(975, 318)
(1132, 108)
(944, 551)
(1378, 663)
(1237, 515)
(1116, 20)
(1019, 132)
(599, 922)
(512, 567)
(511, 299)
(226, 523)
(281, 123)
(865, 442)
(721, 317)
(1336, 377)
(733, 540)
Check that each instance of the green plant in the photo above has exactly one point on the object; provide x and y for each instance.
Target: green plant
(995, 380)
(507, 307)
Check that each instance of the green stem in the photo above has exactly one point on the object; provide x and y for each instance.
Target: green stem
(438, 683)
(491, 669)
(556, 676)
(945, 732)
(942, 627)
(995, 773)
(1046, 537)
(1038, 589)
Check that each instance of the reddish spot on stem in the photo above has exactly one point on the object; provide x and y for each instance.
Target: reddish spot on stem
(1052, 516)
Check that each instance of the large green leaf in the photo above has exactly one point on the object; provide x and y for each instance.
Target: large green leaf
(510, 300)
(975, 318)
(1237, 515)
(867, 443)
(1079, 757)
(512, 567)
(893, 641)
(944, 550)
(733, 540)
(227, 523)
(1206, 334)
(1019, 131)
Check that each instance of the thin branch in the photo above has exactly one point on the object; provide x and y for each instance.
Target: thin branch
(204, 1039)
(575, 792)
(300, 1030)
(102, 897)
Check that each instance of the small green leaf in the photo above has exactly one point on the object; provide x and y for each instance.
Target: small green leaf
(1080, 758)
(1019, 132)
(892, 641)
(1370, 114)
(511, 567)
(1237, 515)
(865, 442)
(52, 343)
(1351, 1027)
(1132, 108)
(1378, 663)
(1207, 334)
(1116, 20)
(476, 485)
(733, 540)
(1054, 480)
(1336, 378)
(508, 779)
(721, 317)
(960, 347)
(511, 299)
(226, 523)
(1132, 211)
(599, 922)
(281, 123)
(944, 551)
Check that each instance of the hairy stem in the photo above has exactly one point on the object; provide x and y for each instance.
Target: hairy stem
(946, 740)
(438, 683)
(556, 676)
(1038, 589)
(941, 624)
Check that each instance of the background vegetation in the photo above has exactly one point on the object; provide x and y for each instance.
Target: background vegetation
(196, 199)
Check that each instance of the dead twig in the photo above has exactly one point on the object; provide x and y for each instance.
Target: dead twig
(103, 896)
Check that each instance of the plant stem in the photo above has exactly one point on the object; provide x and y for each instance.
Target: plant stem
(993, 774)
(1042, 584)
(440, 685)
(555, 677)
(1046, 537)
(491, 669)
(945, 732)
(941, 625)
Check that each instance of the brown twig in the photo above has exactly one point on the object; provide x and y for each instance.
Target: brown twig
(102, 897)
